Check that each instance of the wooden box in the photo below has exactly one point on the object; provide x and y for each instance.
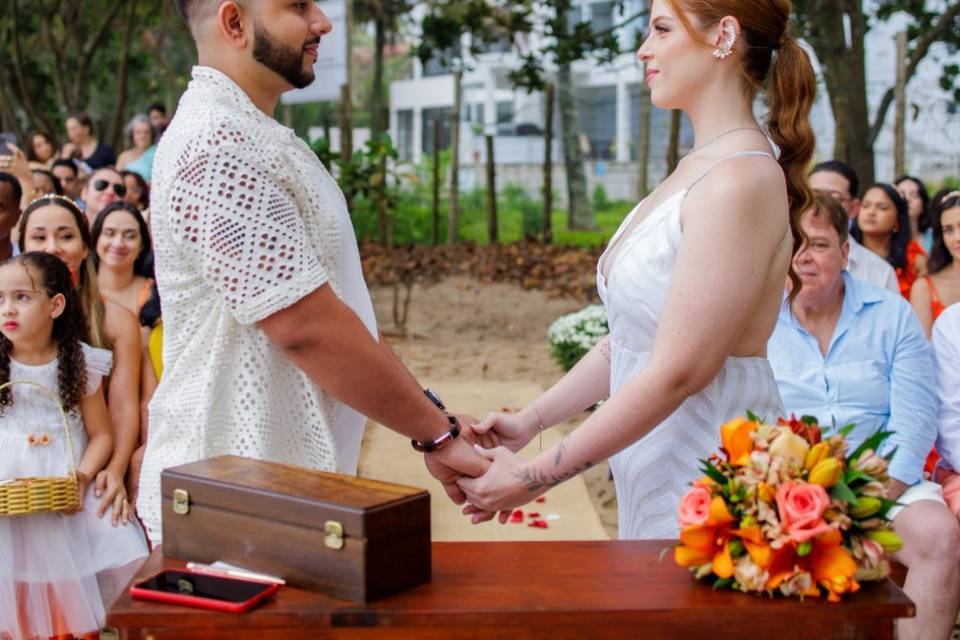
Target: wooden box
(351, 538)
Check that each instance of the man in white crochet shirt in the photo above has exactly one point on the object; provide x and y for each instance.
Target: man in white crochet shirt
(270, 343)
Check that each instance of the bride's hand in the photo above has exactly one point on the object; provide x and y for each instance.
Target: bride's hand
(504, 430)
(505, 485)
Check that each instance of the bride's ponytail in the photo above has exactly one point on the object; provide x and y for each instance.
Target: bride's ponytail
(791, 91)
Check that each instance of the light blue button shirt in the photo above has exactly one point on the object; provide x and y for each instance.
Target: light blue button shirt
(878, 372)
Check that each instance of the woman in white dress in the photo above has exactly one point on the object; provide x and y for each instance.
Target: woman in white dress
(692, 281)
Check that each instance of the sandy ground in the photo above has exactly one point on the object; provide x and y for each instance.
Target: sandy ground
(483, 347)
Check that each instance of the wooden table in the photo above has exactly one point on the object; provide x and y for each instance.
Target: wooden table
(542, 590)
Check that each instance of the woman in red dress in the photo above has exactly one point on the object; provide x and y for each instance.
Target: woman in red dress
(883, 226)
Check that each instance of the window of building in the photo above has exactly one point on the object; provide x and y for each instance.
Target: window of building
(429, 116)
(597, 108)
(601, 16)
(405, 134)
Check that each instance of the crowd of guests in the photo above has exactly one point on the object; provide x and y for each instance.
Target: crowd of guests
(880, 276)
(88, 208)
(879, 271)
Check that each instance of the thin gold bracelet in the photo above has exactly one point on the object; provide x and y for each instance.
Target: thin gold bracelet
(540, 424)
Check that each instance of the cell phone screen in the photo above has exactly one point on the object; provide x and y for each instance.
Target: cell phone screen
(201, 586)
(5, 139)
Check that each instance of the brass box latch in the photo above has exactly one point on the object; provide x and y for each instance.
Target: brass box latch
(181, 502)
(334, 534)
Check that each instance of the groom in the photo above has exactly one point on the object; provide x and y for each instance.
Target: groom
(271, 348)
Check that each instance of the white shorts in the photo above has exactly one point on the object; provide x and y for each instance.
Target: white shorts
(923, 490)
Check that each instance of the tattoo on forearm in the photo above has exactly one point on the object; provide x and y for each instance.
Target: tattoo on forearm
(561, 449)
(537, 480)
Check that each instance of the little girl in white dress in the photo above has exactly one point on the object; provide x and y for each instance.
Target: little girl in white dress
(58, 571)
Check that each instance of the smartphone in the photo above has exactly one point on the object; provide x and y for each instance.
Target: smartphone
(7, 138)
(231, 595)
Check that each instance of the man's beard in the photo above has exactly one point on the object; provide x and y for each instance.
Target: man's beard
(282, 60)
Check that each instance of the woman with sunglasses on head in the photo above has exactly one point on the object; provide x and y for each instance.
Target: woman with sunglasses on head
(883, 226)
(122, 256)
(941, 288)
(104, 187)
(54, 224)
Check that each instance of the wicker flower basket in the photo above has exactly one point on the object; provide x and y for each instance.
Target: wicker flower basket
(24, 496)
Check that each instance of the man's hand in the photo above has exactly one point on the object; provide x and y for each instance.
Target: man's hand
(895, 488)
(457, 459)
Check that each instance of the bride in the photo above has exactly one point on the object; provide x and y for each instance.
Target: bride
(692, 281)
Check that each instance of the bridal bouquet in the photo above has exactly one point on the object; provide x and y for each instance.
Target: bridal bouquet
(787, 510)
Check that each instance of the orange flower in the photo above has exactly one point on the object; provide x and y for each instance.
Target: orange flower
(708, 543)
(809, 432)
(736, 441)
(760, 551)
(833, 568)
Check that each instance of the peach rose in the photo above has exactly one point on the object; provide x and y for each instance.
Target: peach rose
(695, 506)
(801, 508)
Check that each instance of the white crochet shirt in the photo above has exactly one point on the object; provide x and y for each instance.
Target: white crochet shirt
(246, 222)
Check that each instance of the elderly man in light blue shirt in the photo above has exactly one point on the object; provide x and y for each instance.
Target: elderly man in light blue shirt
(846, 351)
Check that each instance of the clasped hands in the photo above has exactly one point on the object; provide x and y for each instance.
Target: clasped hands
(481, 467)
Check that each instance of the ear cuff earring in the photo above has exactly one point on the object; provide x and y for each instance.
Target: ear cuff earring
(726, 48)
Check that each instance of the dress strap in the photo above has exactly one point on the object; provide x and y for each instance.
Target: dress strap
(936, 306)
(739, 154)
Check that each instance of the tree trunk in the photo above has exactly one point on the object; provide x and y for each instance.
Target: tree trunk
(452, 219)
(581, 215)
(845, 78)
(548, 166)
(493, 232)
(377, 94)
(643, 146)
(116, 129)
(437, 128)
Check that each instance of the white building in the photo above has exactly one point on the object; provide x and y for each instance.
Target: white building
(608, 100)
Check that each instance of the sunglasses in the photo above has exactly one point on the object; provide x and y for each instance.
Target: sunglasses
(118, 189)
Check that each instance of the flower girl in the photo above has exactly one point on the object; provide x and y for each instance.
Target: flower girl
(57, 570)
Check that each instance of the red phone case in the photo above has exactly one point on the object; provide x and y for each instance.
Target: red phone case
(203, 603)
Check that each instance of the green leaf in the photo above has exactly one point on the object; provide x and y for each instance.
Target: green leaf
(713, 473)
(752, 416)
(841, 491)
(809, 420)
(721, 583)
(855, 475)
(889, 456)
(846, 429)
(873, 442)
(804, 548)
(887, 504)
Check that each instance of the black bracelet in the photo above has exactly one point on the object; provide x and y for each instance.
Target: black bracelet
(429, 446)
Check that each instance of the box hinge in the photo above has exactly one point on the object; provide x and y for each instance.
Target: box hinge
(334, 534)
(181, 502)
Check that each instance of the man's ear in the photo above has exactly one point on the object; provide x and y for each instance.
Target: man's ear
(231, 21)
(854, 208)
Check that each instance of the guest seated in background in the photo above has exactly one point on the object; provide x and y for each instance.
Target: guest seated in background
(9, 214)
(41, 150)
(139, 134)
(122, 256)
(84, 146)
(841, 182)
(44, 182)
(55, 225)
(915, 193)
(883, 226)
(848, 352)
(65, 171)
(104, 187)
(138, 191)
(931, 294)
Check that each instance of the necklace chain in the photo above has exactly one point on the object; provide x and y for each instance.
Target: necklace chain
(725, 133)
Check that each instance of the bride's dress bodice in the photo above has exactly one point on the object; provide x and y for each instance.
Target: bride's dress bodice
(653, 473)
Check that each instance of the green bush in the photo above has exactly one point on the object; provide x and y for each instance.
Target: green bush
(600, 199)
(571, 336)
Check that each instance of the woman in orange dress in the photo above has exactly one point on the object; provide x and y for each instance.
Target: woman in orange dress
(883, 226)
(933, 293)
